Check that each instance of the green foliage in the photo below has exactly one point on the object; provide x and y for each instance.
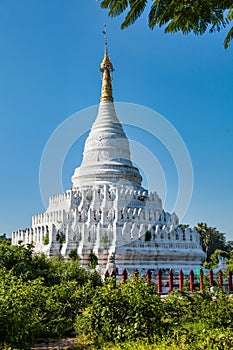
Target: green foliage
(20, 311)
(229, 246)
(129, 311)
(46, 239)
(93, 260)
(185, 15)
(57, 271)
(41, 297)
(133, 316)
(59, 310)
(105, 241)
(217, 339)
(22, 263)
(230, 261)
(32, 307)
(73, 255)
(61, 238)
(229, 36)
(183, 226)
(18, 259)
(3, 237)
(214, 257)
(214, 244)
(205, 310)
(29, 310)
(211, 239)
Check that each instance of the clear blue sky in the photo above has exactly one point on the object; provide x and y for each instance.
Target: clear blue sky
(49, 58)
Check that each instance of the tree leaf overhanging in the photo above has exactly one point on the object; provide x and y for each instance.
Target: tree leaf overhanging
(187, 16)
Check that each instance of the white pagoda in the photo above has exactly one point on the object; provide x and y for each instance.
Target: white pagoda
(107, 211)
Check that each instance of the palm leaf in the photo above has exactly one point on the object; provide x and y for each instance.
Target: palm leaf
(230, 14)
(116, 6)
(136, 9)
(228, 38)
(153, 14)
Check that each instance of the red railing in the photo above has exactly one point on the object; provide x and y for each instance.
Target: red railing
(169, 281)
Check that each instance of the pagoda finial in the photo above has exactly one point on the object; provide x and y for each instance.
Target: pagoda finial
(105, 38)
(106, 68)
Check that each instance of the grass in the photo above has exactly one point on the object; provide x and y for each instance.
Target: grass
(215, 339)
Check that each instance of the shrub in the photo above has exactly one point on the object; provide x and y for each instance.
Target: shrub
(20, 311)
(124, 312)
(30, 310)
(62, 302)
(211, 310)
(93, 260)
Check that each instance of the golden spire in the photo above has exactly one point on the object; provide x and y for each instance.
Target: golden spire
(106, 68)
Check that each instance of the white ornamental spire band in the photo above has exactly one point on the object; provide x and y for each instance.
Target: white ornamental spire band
(106, 156)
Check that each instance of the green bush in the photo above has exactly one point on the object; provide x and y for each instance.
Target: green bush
(133, 311)
(20, 311)
(39, 297)
(127, 311)
(31, 310)
(22, 263)
(93, 260)
(62, 302)
(203, 308)
(217, 339)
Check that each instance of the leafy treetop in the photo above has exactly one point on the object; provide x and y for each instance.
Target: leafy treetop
(183, 15)
(211, 239)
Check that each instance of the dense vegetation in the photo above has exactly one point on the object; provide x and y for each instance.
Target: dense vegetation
(134, 317)
(183, 16)
(214, 243)
(39, 297)
(52, 298)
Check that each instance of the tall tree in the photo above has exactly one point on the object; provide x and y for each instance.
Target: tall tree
(182, 15)
(211, 238)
